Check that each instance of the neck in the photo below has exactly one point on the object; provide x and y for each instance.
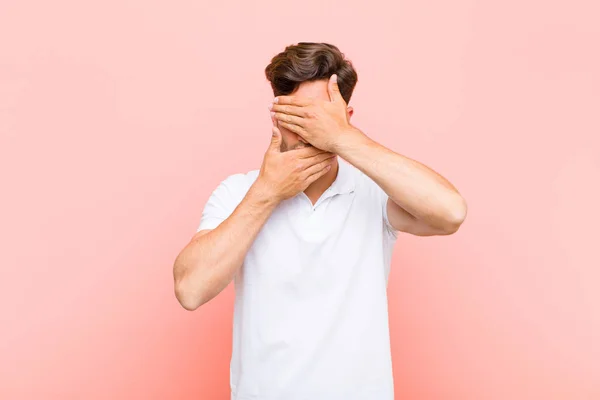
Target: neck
(318, 187)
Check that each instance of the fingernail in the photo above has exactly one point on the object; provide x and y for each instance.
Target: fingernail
(270, 106)
(272, 114)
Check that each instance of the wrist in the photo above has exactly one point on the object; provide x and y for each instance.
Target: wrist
(350, 139)
(263, 194)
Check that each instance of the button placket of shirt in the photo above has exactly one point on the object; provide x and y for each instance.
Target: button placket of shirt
(327, 194)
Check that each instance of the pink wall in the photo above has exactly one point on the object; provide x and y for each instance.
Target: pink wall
(117, 119)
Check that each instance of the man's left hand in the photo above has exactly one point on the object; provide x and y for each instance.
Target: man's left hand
(321, 123)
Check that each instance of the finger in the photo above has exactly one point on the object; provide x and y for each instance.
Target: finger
(291, 119)
(290, 109)
(292, 127)
(293, 100)
(306, 152)
(318, 158)
(317, 171)
(275, 144)
(318, 166)
(334, 90)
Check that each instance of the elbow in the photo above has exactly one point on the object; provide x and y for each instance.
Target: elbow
(186, 299)
(188, 296)
(455, 216)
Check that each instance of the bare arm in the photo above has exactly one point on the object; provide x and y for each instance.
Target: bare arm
(421, 201)
(210, 261)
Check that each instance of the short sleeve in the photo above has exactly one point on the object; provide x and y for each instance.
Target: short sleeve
(222, 202)
(383, 198)
(379, 199)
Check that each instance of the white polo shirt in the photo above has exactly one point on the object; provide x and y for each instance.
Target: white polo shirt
(310, 315)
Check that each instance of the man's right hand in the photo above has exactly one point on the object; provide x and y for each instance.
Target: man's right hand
(285, 174)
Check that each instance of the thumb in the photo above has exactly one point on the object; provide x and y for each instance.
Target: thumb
(275, 139)
(333, 89)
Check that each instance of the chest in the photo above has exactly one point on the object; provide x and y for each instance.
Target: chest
(314, 243)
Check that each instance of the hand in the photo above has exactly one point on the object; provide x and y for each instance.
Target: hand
(284, 175)
(321, 123)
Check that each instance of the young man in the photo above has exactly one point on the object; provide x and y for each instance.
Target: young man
(308, 239)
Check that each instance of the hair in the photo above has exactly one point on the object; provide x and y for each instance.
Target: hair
(308, 61)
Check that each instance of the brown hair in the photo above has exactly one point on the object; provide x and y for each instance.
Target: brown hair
(308, 61)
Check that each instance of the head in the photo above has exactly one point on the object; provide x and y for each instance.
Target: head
(304, 70)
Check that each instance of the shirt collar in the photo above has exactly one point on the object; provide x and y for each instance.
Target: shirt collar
(344, 181)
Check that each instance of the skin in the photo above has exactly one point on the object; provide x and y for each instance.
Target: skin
(310, 129)
(421, 201)
(208, 263)
(291, 140)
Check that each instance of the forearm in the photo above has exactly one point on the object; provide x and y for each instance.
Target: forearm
(412, 185)
(209, 262)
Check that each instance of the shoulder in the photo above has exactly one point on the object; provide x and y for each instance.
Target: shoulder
(243, 180)
(363, 184)
(240, 180)
(375, 197)
(238, 184)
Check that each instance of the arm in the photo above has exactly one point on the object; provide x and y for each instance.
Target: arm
(210, 261)
(421, 202)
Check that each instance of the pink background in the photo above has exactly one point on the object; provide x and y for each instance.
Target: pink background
(118, 118)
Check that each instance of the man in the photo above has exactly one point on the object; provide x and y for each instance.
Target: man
(308, 238)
